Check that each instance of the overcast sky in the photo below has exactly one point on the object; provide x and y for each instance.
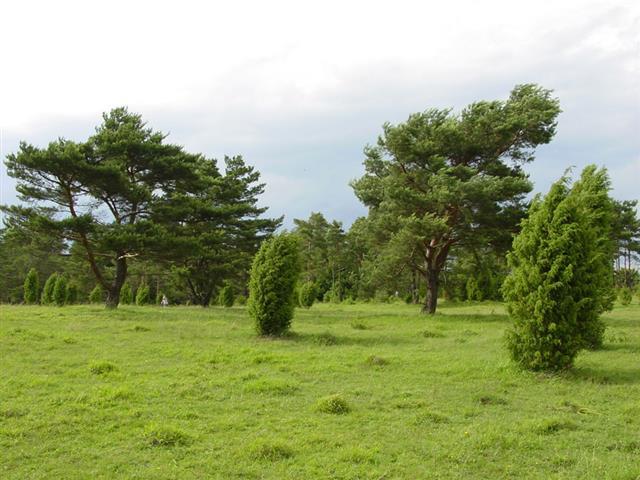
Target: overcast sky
(299, 88)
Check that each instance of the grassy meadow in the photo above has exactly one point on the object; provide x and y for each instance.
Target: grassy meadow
(186, 392)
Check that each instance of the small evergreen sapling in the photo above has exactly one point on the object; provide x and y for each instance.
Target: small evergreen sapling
(31, 287)
(126, 294)
(226, 296)
(47, 291)
(60, 291)
(72, 293)
(274, 275)
(96, 295)
(143, 295)
(307, 294)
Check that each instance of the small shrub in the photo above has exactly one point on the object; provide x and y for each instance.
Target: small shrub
(47, 291)
(143, 295)
(226, 296)
(334, 404)
(126, 294)
(165, 436)
(60, 291)
(474, 293)
(241, 300)
(274, 275)
(72, 293)
(31, 287)
(102, 367)
(270, 451)
(96, 295)
(625, 295)
(307, 294)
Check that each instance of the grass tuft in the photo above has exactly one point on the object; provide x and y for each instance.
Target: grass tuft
(334, 404)
(432, 334)
(165, 436)
(102, 367)
(325, 339)
(270, 451)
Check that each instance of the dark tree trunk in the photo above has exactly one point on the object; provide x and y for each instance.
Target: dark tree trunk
(113, 292)
(431, 300)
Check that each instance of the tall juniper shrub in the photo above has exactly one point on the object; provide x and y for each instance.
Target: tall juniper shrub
(274, 274)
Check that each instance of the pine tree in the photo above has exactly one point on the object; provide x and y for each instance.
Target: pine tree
(274, 274)
(47, 291)
(60, 291)
(31, 287)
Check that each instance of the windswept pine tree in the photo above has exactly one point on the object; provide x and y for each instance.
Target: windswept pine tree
(441, 180)
(105, 193)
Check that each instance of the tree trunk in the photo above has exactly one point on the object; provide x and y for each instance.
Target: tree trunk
(113, 293)
(431, 300)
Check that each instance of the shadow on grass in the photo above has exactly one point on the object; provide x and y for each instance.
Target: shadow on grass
(605, 376)
(473, 318)
(328, 339)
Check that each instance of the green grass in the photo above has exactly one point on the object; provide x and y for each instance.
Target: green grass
(183, 392)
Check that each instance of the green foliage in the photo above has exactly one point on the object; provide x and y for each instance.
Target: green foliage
(590, 193)
(96, 295)
(241, 300)
(47, 291)
(473, 290)
(126, 294)
(441, 180)
(143, 295)
(274, 275)
(31, 287)
(561, 274)
(307, 294)
(60, 290)
(72, 293)
(226, 297)
(541, 289)
(625, 295)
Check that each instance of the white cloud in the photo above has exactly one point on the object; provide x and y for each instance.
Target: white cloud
(300, 87)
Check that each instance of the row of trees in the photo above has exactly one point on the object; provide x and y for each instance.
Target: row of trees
(125, 195)
(446, 192)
